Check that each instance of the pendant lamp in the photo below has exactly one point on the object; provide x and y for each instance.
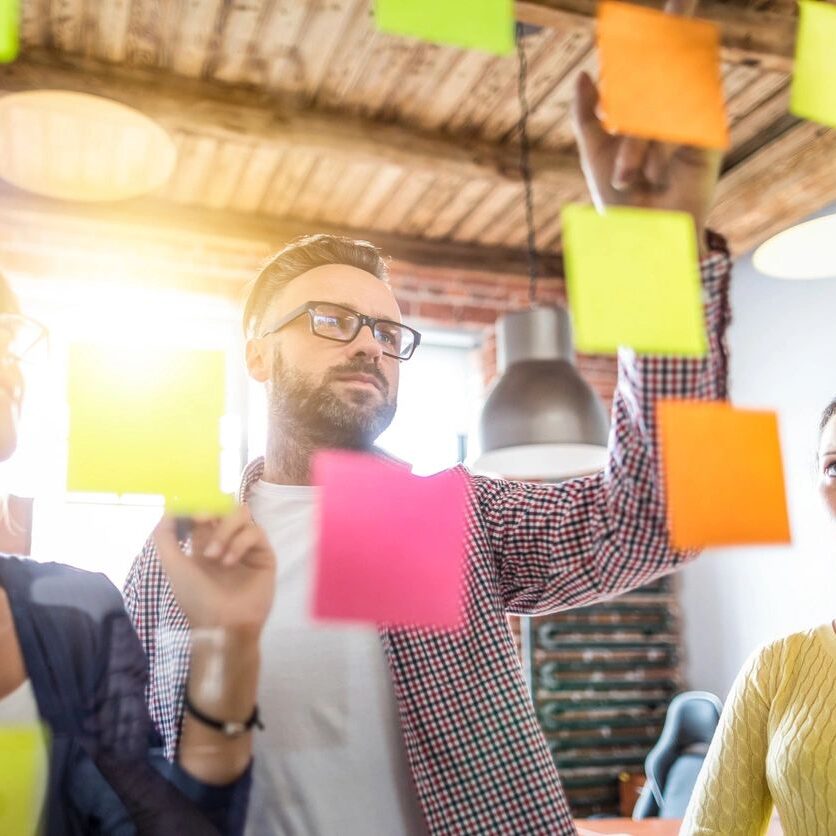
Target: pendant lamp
(804, 251)
(541, 419)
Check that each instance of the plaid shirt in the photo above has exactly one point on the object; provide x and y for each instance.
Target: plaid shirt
(478, 757)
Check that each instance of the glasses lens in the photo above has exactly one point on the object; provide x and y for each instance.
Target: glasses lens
(395, 339)
(335, 322)
(19, 336)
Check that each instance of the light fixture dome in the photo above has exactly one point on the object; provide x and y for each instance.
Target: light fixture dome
(541, 419)
(804, 251)
(75, 146)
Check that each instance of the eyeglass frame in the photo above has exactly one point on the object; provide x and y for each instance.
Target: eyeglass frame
(41, 336)
(371, 321)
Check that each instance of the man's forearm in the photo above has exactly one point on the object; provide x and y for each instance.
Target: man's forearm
(222, 684)
(574, 543)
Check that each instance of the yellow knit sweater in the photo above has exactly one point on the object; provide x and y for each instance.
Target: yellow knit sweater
(776, 742)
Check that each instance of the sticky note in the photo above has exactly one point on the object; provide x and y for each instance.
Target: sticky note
(486, 25)
(390, 545)
(23, 777)
(723, 474)
(148, 421)
(660, 76)
(9, 30)
(633, 279)
(813, 92)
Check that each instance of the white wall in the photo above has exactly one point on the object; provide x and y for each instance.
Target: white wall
(783, 346)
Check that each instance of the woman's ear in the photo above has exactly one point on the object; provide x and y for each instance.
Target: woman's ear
(258, 359)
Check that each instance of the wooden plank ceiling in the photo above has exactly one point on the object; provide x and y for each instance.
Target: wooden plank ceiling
(294, 115)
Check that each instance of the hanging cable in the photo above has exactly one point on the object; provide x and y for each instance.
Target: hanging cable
(525, 168)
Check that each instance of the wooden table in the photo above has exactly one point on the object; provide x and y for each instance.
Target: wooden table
(645, 827)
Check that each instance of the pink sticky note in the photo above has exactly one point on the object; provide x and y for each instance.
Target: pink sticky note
(391, 545)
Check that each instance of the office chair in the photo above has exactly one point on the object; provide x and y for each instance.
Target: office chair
(673, 764)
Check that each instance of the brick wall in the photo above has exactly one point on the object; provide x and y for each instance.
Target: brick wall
(475, 302)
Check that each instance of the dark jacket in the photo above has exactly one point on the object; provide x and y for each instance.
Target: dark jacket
(88, 672)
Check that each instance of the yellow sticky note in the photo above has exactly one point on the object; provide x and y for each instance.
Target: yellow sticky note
(660, 76)
(486, 25)
(633, 279)
(723, 474)
(813, 94)
(9, 30)
(148, 422)
(24, 770)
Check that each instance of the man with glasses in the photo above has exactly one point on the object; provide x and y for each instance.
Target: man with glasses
(404, 731)
(326, 339)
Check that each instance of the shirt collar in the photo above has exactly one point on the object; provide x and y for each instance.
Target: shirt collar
(255, 469)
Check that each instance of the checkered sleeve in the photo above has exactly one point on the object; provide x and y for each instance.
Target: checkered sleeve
(568, 544)
(163, 632)
(141, 594)
(140, 606)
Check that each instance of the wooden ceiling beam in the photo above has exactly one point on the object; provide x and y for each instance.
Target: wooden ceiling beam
(227, 113)
(748, 35)
(153, 234)
(788, 180)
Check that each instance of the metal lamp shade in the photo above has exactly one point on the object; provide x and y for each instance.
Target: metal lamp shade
(541, 419)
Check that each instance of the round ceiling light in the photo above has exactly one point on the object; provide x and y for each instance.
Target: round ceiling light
(74, 146)
(805, 251)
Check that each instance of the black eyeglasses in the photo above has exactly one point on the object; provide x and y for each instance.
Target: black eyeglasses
(337, 322)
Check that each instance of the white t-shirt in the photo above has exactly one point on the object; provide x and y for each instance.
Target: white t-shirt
(331, 760)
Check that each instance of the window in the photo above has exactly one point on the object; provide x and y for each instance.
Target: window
(104, 532)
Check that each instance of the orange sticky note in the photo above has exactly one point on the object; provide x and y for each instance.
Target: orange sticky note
(724, 479)
(660, 76)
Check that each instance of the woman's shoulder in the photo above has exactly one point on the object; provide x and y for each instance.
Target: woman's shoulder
(783, 659)
(59, 585)
(74, 631)
(797, 641)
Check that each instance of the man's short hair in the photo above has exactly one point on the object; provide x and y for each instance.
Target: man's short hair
(299, 256)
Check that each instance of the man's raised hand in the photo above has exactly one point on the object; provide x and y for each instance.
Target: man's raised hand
(629, 171)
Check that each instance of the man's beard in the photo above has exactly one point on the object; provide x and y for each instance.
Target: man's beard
(317, 415)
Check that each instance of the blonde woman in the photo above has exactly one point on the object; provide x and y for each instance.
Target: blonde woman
(70, 662)
(776, 742)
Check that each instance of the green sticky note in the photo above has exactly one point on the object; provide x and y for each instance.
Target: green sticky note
(813, 94)
(148, 422)
(633, 279)
(24, 770)
(9, 30)
(486, 25)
